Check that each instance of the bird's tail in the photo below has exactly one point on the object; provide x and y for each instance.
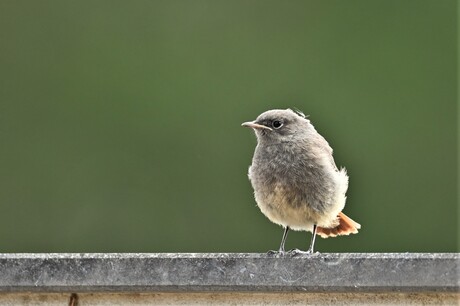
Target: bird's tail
(346, 227)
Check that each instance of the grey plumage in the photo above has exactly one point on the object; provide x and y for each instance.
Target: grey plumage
(296, 182)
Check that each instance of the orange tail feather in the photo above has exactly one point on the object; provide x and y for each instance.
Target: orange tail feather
(346, 227)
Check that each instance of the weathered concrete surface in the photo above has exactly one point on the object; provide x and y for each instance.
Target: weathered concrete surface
(232, 298)
(419, 272)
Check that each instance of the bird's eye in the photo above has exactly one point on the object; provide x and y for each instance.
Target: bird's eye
(277, 124)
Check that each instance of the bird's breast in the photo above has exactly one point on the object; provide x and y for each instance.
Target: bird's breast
(293, 189)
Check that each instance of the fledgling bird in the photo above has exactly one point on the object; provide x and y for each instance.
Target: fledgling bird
(295, 179)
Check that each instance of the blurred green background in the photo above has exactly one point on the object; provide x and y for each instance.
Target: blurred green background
(120, 120)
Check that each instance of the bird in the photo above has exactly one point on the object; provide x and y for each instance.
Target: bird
(295, 179)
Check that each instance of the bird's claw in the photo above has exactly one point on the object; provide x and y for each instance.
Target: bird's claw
(276, 253)
(295, 252)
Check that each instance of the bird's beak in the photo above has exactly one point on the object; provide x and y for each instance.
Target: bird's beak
(254, 125)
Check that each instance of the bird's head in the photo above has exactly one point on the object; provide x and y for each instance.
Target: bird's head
(278, 125)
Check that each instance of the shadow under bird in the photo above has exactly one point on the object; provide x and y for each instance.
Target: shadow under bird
(295, 179)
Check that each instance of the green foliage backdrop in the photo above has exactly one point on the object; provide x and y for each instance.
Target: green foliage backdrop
(120, 120)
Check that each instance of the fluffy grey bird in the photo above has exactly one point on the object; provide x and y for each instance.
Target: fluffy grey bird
(296, 182)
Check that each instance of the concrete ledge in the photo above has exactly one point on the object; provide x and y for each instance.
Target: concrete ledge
(366, 272)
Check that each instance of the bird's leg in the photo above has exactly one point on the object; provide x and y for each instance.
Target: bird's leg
(283, 241)
(295, 252)
(312, 243)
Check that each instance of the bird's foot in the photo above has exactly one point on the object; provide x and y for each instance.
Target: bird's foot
(295, 252)
(277, 253)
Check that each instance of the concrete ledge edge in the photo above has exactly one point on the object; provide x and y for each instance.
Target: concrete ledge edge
(229, 272)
